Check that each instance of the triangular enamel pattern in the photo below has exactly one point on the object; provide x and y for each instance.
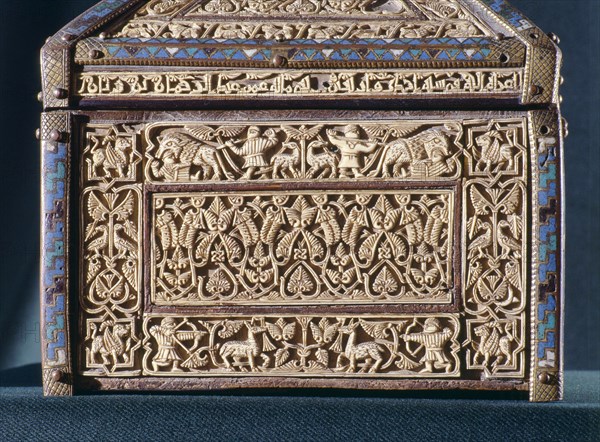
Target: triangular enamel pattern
(410, 34)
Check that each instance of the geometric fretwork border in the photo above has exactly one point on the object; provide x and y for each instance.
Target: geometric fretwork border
(548, 245)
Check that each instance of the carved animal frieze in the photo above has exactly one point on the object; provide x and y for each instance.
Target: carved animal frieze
(195, 153)
(316, 30)
(396, 19)
(391, 346)
(397, 8)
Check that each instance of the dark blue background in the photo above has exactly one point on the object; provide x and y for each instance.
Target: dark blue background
(24, 25)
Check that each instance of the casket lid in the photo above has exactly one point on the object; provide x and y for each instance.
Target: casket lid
(192, 50)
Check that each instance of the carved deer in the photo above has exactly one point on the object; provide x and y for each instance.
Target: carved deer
(324, 162)
(286, 161)
(248, 349)
(370, 352)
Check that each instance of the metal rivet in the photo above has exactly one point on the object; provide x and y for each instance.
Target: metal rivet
(40, 97)
(560, 99)
(38, 134)
(95, 54)
(59, 93)
(57, 375)
(554, 37)
(565, 128)
(504, 58)
(534, 89)
(103, 35)
(67, 37)
(279, 61)
(562, 80)
(544, 378)
(55, 135)
(279, 38)
(500, 36)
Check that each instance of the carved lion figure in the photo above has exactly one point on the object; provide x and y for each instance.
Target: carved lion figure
(111, 343)
(111, 154)
(431, 146)
(495, 342)
(178, 151)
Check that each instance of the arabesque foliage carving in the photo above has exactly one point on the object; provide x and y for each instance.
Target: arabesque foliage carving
(495, 252)
(112, 249)
(396, 346)
(303, 248)
(111, 232)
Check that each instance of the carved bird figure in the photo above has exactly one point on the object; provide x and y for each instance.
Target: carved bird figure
(441, 8)
(513, 274)
(506, 241)
(481, 242)
(123, 245)
(99, 243)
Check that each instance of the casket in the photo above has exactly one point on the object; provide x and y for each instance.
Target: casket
(356, 194)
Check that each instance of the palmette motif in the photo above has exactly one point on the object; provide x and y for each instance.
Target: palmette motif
(303, 248)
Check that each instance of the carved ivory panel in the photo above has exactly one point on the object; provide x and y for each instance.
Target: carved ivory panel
(298, 248)
(402, 346)
(386, 247)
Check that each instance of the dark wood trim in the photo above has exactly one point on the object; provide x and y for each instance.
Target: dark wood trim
(183, 384)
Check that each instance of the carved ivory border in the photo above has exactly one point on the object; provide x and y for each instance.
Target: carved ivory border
(304, 83)
(405, 346)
